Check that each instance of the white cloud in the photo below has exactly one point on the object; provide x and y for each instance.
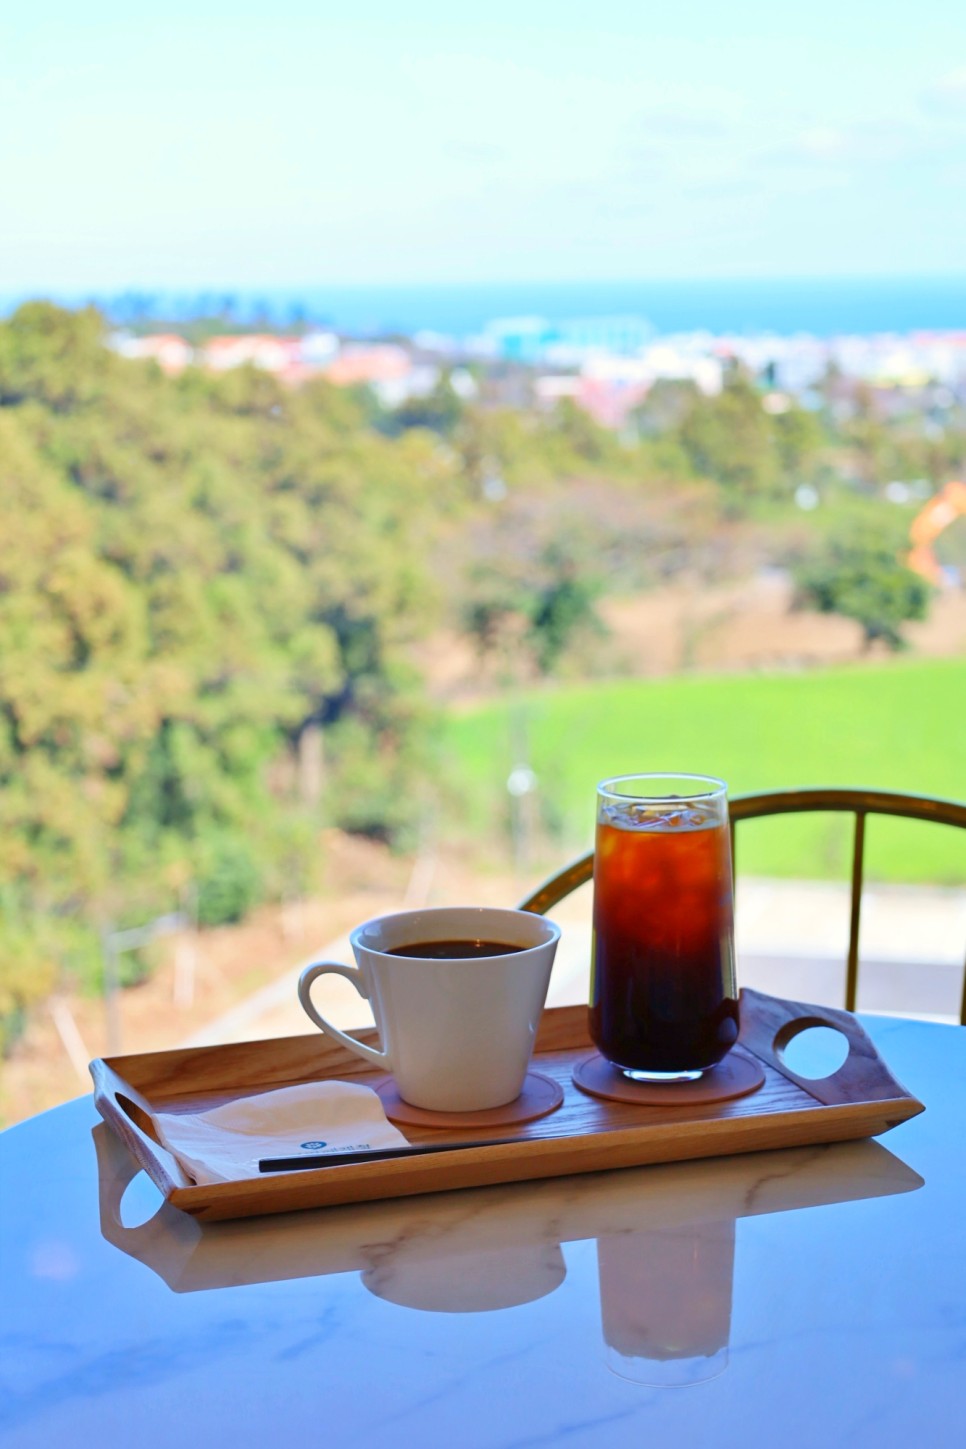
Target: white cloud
(867, 143)
(948, 94)
(821, 143)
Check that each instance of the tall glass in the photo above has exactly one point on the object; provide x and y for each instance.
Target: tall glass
(663, 993)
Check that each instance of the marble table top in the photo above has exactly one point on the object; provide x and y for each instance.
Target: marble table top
(808, 1297)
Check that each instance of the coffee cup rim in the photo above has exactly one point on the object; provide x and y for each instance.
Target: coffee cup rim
(447, 918)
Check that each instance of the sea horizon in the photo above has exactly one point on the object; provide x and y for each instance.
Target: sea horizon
(819, 306)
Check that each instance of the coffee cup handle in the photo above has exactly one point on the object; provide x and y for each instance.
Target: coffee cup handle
(353, 974)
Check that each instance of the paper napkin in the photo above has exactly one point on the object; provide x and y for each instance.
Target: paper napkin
(314, 1118)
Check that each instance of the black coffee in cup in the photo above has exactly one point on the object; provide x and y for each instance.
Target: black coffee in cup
(456, 950)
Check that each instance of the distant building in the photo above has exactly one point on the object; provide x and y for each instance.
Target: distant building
(360, 362)
(609, 401)
(789, 364)
(609, 387)
(419, 381)
(556, 387)
(943, 355)
(171, 352)
(604, 364)
(317, 349)
(262, 350)
(533, 340)
(614, 336)
(385, 367)
(608, 393)
(681, 360)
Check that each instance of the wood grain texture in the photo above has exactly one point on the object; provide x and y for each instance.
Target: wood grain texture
(586, 1134)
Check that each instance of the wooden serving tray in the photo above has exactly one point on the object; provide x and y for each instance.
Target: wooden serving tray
(586, 1134)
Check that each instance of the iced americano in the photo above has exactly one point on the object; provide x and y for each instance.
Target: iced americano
(664, 998)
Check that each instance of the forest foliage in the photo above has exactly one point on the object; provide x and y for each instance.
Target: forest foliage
(199, 579)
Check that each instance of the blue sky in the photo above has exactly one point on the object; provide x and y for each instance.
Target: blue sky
(293, 143)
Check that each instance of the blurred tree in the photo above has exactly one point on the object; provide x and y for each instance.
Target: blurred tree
(580, 439)
(731, 438)
(195, 574)
(529, 614)
(562, 606)
(52, 356)
(666, 406)
(861, 577)
(801, 442)
(440, 410)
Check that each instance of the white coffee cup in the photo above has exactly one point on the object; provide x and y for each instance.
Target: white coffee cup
(457, 1033)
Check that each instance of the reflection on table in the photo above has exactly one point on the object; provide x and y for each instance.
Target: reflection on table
(665, 1256)
(665, 1302)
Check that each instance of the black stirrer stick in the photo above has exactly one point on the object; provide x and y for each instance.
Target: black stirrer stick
(372, 1154)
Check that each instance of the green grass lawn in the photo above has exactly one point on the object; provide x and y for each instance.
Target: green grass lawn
(896, 726)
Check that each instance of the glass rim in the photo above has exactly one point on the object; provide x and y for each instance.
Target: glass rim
(713, 787)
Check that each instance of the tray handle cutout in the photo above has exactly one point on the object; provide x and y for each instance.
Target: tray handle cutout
(129, 1114)
(813, 1049)
(768, 1024)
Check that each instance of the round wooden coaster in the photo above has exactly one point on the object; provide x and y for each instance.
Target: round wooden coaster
(736, 1076)
(540, 1095)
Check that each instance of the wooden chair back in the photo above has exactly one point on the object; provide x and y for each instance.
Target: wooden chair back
(858, 803)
